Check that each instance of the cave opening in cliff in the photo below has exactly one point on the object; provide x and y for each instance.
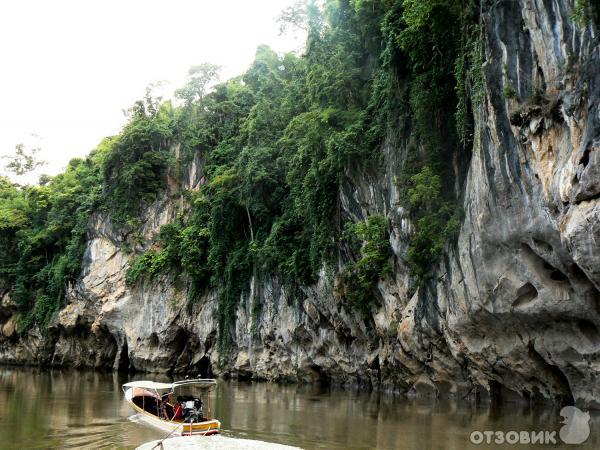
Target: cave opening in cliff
(525, 294)
(589, 330)
(124, 365)
(319, 375)
(585, 159)
(205, 367)
(552, 375)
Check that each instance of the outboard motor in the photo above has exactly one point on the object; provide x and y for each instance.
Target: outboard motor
(189, 412)
(192, 409)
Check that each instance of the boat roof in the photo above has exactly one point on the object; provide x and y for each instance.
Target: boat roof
(203, 383)
(149, 385)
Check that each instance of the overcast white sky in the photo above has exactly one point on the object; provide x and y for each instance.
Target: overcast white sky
(69, 67)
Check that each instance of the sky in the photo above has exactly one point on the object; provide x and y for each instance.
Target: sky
(68, 68)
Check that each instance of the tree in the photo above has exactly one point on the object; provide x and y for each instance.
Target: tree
(149, 106)
(23, 161)
(294, 17)
(198, 80)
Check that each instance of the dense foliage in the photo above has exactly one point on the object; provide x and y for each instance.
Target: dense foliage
(360, 278)
(276, 143)
(42, 234)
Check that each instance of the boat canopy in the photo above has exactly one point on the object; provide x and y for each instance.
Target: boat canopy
(203, 383)
(149, 385)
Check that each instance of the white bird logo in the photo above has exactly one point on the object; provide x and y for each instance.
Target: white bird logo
(576, 428)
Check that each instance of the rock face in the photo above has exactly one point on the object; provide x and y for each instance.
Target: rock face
(513, 312)
(521, 291)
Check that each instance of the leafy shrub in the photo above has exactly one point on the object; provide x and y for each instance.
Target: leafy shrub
(147, 264)
(361, 277)
(438, 222)
(509, 91)
(45, 307)
(135, 165)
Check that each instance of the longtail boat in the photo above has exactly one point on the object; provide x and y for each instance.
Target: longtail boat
(170, 407)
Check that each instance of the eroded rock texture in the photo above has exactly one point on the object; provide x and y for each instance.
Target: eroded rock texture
(514, 309)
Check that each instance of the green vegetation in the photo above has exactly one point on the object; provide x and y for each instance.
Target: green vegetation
(442, 40)
(23, 161)
(149, 263)
(360, 277)
(509, 91)
(43, 227)
(135, 163)
(277, 143)
(438, 221)
(582, 13)
(42, 231)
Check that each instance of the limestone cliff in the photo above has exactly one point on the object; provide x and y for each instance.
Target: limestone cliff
(514, 309)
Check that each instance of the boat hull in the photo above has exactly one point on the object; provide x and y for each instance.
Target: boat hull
(176, 428)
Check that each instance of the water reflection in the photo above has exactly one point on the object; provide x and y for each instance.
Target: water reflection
(54, 409)
(320, 418)
(50, 409)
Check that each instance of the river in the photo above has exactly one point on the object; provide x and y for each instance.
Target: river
(42, 409)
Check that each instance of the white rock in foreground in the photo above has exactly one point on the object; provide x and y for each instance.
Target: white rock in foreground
(213, 443)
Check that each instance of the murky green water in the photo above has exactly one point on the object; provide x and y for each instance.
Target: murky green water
(54, 409)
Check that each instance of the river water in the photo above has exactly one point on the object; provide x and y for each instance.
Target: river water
(54, 409)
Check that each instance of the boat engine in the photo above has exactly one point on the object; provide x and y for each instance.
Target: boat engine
(192, 409)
